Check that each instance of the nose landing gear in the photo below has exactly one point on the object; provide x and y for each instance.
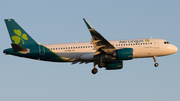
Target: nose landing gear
(156, 64)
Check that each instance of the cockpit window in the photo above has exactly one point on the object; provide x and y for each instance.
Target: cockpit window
(165, 42)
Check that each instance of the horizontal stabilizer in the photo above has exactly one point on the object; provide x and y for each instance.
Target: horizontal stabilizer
(17, 47)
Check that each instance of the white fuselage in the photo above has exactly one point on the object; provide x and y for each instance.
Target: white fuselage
(141, 48)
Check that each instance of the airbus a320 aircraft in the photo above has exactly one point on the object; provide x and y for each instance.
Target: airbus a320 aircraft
(107, 54)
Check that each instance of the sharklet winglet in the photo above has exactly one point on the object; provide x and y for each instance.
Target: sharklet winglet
(87, 24)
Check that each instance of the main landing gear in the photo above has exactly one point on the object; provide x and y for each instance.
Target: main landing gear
(94, 70)
(156, 64)
(100, 65)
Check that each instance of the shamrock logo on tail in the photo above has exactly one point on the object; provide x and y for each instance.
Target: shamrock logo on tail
(18, 38)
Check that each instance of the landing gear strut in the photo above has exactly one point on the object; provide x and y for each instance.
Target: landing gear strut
(156, 64)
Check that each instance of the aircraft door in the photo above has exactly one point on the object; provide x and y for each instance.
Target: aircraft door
(156, 47)
(41, 50)
(156, 44)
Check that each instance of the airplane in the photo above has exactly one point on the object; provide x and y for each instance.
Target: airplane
(104, 53)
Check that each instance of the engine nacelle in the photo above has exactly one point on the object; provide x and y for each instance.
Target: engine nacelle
(123, 54)
(113, 65)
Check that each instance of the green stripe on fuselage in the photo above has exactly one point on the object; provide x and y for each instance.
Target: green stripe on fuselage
(34, 53)
(63, 60)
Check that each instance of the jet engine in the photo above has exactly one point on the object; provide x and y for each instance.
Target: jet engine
(113, 65)
(123, 54)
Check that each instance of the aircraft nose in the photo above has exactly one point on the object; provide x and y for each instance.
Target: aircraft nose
(175, 49)
(171, 49)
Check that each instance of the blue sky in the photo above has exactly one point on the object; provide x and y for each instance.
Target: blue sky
(59, 21)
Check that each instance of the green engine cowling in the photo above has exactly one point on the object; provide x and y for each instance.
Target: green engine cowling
(123, 54)
(113, 65)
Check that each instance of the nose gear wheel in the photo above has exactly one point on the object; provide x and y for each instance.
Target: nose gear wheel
(156, 64)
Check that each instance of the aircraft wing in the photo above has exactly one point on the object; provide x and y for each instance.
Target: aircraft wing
(99, 42)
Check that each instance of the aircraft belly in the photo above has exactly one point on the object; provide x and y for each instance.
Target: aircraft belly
(71, 56)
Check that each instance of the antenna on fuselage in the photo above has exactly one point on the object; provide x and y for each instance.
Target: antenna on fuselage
(151, 37)
(76, 41)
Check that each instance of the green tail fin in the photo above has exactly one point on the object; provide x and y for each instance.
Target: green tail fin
(18, 35)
